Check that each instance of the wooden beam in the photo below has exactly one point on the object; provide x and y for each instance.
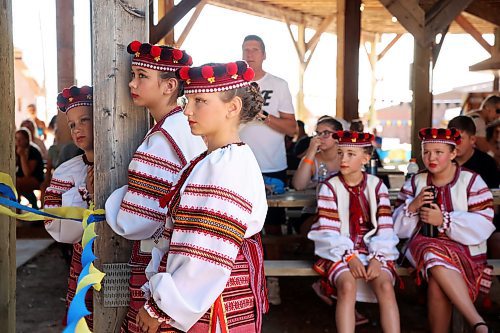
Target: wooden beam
(295, 43)
(119, 128)
(368, 52)
(436, 48)
(327, 21)
(301, 43)
(440, 16)
(7, 165)
(167, 23)
(409, 14)
(300, 48)
(65, 59)
(348, 38)
(485, 11)
(388, 46)
(164, 6)
(273, 12)
(189, 25)
(313, 42)
(422, 95)
(374, 58)
(471, 30)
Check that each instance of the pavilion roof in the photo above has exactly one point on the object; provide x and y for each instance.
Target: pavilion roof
(375, 17)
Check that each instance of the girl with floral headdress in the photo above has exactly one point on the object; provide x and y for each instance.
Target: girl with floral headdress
(72, 183)
(165, 150)
(447, 211)
(209, 277)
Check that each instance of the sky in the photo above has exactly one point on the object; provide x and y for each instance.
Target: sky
(216, 40)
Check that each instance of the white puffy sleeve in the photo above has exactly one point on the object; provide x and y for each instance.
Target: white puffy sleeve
(383, 244)
(328, 242)
(223, 202)
(404, 221)
(66, 189)
(476, 224)
(133, 211)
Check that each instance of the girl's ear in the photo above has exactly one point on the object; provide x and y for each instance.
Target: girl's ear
(169, 86)
(234, 107)
(453, 154)
(366, 157)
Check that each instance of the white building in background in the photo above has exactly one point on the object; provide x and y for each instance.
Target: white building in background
(27, 90)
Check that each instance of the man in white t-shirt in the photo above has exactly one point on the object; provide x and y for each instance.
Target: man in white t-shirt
(488, 112)
(266, 135)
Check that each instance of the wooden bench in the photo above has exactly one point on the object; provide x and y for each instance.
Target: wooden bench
(304, 268)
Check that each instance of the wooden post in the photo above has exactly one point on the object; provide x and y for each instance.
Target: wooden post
(190, 24)
(7, 158)
(305, 52)
(348, 37)
(164, 6)
(119, 127)
(172, 17)
(65, 59)
(373, 58)
(302, 111)
(422, 95)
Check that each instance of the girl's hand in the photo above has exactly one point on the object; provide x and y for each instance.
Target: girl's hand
(22, 152)
(357, 268)
(313, 147)
(146, 323)
(432, 215)
(424, 197)
(374, 269)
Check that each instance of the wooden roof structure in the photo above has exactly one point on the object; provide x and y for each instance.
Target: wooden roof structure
(374, 18)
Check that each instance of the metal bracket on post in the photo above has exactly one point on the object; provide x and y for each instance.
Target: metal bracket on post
(115, 285)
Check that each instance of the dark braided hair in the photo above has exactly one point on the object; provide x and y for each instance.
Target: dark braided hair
(251, 98)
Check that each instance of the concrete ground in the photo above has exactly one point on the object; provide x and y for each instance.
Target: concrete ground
(42, 283)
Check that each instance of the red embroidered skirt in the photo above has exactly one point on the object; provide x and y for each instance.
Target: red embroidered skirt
(138, 261)
(428, 252)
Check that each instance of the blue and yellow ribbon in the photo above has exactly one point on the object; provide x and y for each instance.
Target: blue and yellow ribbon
(90, 276)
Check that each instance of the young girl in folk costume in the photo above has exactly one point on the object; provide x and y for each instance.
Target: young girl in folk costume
(354, 236)
(165, 150)
(460, 212)
(72, 183)
(322, 153)
(209, 277)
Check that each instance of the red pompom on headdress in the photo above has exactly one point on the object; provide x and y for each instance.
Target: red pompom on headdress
(353, 139)
(184, 73)
(177, 55)
(231, 68)
(158, 57)
(216, 77)
(73, 96)
(449, 136)
(249, 74)
(135, 46)
(208, 73)
(65, 93)
(155, 52)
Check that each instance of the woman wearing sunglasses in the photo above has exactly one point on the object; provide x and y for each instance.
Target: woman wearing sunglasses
(321, 154)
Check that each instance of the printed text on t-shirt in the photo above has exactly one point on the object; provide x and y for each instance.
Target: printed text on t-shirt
(266, 94)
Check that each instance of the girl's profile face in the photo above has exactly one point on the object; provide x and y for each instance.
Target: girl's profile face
(80, 122)
(437, 157)
(206, 113)
(145, 86)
